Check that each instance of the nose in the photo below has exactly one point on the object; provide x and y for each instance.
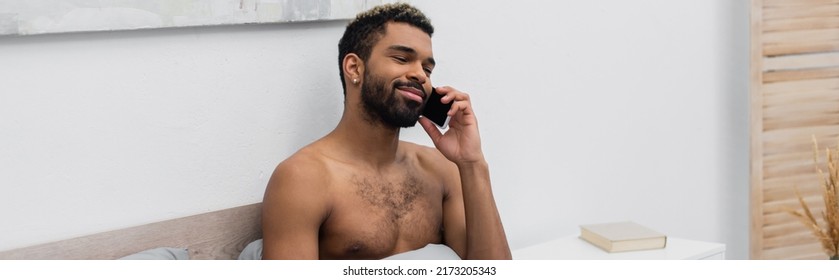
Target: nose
(418, 74)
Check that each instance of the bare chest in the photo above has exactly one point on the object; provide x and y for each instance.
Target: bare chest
(375, 217)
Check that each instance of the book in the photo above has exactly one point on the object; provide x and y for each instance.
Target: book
(622, 237)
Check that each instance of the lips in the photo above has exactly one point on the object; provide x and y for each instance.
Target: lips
(412, 93)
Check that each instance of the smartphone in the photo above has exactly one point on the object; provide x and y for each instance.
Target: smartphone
(436, 111)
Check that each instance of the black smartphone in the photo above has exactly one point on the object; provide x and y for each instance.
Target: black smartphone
(436, 111)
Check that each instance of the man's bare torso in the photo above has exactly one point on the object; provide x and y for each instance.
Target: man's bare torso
(377, 213)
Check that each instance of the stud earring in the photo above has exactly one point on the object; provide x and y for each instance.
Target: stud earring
(355, 81)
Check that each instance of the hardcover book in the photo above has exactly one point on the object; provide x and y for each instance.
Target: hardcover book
(622, 237)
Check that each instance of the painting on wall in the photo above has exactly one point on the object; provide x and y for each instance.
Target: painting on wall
(30, 17)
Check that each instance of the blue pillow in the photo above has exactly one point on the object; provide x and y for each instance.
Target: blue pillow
(253, 251)
(162, 253)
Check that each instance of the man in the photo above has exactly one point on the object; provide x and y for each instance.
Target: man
(361, 193)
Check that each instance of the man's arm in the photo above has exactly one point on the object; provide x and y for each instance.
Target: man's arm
(461, 144)
(293, 209)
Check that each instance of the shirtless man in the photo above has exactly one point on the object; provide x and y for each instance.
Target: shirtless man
(361, 193)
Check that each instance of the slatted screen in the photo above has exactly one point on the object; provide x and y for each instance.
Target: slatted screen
(794, 95)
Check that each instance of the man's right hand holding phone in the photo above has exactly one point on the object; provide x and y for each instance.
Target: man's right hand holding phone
(461, 143)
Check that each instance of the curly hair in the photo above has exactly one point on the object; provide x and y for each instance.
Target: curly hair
(368, 27)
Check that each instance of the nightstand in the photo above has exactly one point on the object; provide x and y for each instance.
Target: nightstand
(574, 248)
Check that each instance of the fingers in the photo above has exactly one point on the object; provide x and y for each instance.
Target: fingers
(462, 106)
(450, 93)
(463, 101)
(431, 129)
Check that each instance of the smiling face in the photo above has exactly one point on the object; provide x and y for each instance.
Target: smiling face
(396, 80)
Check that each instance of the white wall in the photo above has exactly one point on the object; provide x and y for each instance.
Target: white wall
(590, 111)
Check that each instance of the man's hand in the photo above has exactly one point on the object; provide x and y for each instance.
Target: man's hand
(461, 143)
(476, 221)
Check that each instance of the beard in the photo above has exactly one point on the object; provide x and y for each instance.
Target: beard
(383, 105)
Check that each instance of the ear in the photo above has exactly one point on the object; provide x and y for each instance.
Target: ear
(353, 69)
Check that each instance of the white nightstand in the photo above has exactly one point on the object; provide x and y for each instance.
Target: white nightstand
(574, 248)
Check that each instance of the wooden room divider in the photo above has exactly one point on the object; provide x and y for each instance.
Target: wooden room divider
(794, 96)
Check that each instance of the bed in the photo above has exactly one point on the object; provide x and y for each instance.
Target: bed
(220, 234)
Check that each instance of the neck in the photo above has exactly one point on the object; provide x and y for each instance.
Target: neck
(365, 141)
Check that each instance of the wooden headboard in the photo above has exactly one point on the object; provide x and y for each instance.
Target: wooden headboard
(216, 235)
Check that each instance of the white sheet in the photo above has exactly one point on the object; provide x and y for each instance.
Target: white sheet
(430, 252)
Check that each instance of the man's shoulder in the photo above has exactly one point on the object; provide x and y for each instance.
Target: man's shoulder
(308, 157)
(420, 150)
(304, 166)
(428, 157)
(297, 186)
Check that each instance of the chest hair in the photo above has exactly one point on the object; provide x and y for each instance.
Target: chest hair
(396, 198)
